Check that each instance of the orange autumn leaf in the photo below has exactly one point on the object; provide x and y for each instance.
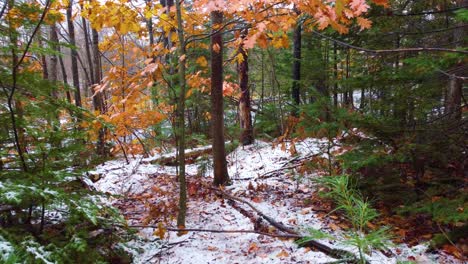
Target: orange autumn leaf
(381, 2)
(364, 23)
(253, 247)
(282, 254)
(216, 48)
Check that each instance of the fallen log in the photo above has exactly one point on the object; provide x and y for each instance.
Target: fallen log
(190, 157)
(333, 252)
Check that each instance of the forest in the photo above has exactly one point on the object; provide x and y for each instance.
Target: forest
(216, 131)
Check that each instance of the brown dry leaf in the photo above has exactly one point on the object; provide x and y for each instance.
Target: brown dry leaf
(210, 248)
(452, 250)
(427, 236)
(282, 254)
(253, 247)
(371, 226)
(257, 199)
(343, 225)
(401, 232)
(305, 211)
(333, 226)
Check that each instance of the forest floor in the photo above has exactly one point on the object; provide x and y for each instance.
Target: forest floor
(147, 194)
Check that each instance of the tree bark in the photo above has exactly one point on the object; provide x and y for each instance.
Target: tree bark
(335, 73)
(221, 176)
(180, 120)
(64, 77)
(74, 54)
(296, 69)
(53, 65)
(98, 99)
(88, 51)
(453, 108)
(245, 117)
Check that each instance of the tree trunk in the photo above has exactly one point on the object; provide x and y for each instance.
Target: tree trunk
(53, 65)
(348, 94)
(221, 176)
(12, 103)
(335, 73)
(88, 52)
(64, 77)
(180, 120)
(245, 117)
(98, 99)
(74, 54)
(296, 69)
(453, 108)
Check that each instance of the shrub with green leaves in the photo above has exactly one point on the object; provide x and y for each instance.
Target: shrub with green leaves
(357, 211)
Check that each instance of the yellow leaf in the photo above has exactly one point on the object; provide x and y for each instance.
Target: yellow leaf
(148, 14)
(182, 58)
(202, 61)
(240, 58)
(161, 231)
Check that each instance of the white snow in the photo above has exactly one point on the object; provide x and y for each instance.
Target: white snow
(6, 249)
(280, 201)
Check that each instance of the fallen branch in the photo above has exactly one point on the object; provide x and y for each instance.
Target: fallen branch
(335, 253)
(297, 161)
(171, 229)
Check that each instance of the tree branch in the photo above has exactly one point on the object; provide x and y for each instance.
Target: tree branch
(344, 44)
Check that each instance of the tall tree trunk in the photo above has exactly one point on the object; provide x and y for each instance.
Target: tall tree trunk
(348, 94)
(15, 104)
(74, 54)
(53, 65)
(455, 85)
(296, 69)
(335, 74)
(221, 176)
(88, 52)
(180, 120)
(64, 77)
(245, 117)
(98, 99)
(45, 71)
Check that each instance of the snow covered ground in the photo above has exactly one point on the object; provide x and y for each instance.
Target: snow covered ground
(278, 196)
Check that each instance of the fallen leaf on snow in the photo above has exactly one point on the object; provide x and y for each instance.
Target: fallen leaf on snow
(282, 254)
